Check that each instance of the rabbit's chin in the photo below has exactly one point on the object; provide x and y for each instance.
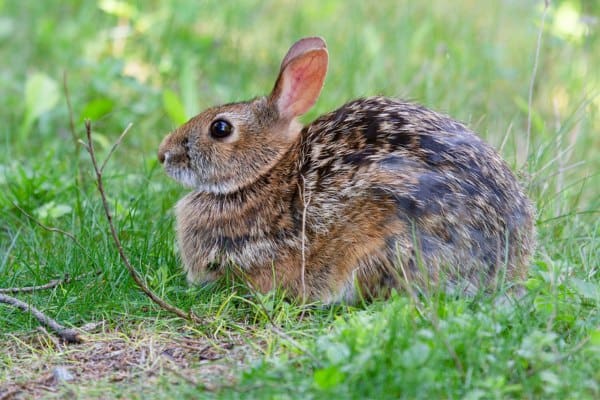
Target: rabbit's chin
(184, 176)
(190, 180)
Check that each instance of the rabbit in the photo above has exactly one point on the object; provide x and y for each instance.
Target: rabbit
(378, 195)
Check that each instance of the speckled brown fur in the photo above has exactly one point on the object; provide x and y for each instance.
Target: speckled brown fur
(391, 194)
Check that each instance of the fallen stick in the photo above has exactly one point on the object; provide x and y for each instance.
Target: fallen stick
(66, 334)
(50, 285)
(28, 289)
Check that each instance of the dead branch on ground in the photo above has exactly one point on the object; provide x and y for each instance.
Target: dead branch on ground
(28, 289)
(50, 285)
(66, 334)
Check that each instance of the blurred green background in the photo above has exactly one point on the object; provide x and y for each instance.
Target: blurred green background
(156, 63)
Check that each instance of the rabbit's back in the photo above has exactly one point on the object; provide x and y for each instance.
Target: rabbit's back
(433, 196)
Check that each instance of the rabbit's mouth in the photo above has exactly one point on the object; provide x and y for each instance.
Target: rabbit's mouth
(184, 176)
(188, 178)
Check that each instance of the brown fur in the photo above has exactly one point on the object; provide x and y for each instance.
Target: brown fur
(372, 196)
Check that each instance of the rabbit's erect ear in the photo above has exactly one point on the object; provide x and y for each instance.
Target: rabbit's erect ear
(301, 77)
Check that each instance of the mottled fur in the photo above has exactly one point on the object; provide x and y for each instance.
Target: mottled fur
(372, 196)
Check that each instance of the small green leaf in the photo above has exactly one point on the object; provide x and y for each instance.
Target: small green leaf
(326, 378)
(174, 107)
(97, 108)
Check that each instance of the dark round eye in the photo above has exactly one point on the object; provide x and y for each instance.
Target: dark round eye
(220, 129)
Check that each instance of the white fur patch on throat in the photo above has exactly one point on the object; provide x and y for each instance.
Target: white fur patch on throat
(184, 176)
(293, 130)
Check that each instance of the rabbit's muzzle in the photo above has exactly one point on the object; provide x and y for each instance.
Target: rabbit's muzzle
(171, 152)
(172, 157)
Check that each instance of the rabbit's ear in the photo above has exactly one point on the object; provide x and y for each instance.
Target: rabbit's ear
(301, 77)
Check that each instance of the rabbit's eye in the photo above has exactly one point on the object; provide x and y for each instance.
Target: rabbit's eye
(220, 129)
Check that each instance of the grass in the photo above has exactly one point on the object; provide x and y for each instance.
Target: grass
(154, 64)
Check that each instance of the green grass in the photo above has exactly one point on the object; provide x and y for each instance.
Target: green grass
(155, 63)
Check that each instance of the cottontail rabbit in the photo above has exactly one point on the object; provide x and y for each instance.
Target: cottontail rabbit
(378, 194)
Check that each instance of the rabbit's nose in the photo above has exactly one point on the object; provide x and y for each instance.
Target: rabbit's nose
(172, 156)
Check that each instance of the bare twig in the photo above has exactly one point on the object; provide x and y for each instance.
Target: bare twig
(49, 228)
(27, 289)
(50, 285)
(305, 203)
(533, 75)
(10, 393)
(114, 146)
(66, 334)
(134, 274)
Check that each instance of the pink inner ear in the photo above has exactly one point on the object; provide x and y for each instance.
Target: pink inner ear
(301, 82)
(302, 46)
